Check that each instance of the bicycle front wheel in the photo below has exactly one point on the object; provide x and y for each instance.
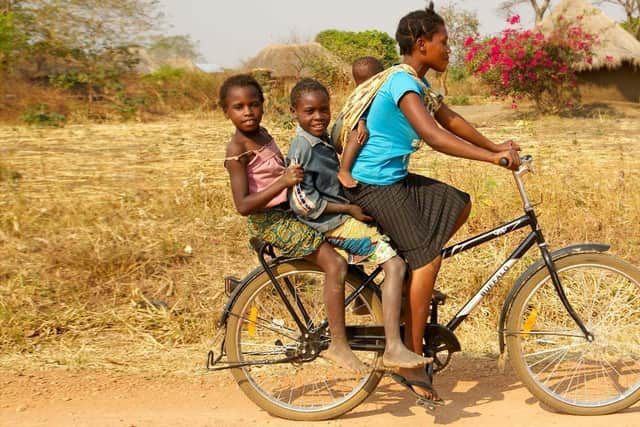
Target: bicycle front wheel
(260, 328)
(550, 353)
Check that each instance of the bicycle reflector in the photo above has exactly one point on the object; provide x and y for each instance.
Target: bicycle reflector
(253, 316)
(531, 319)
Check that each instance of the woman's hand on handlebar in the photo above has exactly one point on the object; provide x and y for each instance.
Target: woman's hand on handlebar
(507, 145)
(509, 159)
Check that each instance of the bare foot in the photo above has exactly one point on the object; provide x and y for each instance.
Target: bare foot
(346, 179)
(403, 358)
(419, 374)
(345, 358)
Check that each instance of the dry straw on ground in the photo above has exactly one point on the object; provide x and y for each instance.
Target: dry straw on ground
(115, 238)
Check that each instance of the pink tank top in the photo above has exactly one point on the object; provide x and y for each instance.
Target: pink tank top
(266, 166)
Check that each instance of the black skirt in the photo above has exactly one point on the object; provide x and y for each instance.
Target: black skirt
(418, 214)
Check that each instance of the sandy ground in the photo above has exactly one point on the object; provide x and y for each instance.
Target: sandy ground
(477, 393)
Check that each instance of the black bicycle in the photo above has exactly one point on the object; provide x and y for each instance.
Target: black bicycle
(571, 325)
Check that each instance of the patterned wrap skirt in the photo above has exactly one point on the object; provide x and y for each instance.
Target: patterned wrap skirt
(418, 214)
(359, 242)
(280, 228)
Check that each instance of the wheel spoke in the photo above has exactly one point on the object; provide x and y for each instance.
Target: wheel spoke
(266, 330)
(555, 360)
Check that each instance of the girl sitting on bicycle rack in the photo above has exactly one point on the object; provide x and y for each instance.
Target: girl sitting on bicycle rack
(318, 201)
(259, 183)
(418, 213)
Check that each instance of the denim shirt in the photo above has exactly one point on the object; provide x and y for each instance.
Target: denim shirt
(320, 184)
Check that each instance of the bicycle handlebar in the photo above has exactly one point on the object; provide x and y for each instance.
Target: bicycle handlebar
(523, 159)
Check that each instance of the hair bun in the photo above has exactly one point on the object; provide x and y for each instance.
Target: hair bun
(430, 6)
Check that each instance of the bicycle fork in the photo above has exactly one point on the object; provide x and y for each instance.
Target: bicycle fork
(542, 245)
(555, 279)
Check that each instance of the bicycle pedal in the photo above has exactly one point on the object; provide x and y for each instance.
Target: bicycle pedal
(426, 404)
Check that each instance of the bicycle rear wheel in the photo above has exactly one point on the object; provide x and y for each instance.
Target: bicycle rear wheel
(551, 355)
(261, 328)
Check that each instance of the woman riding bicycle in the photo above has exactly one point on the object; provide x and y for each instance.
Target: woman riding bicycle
(420, 214)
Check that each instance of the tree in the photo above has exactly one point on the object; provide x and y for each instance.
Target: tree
(632, 10)
(539, 8)
(10, 39)
(350, 45)
(461, 24)
(166, 48)
(85, 43)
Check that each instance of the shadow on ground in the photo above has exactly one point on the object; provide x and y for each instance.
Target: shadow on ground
(470, 382)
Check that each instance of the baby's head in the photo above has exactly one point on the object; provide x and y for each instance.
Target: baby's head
(242, 100)
(310, 106)
(366, 67)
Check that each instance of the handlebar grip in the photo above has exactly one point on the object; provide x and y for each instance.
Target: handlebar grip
(504, 162)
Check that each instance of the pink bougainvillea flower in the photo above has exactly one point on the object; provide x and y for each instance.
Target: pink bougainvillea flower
(512, 20)
(470, 55)
(469, 41)
(519, 63)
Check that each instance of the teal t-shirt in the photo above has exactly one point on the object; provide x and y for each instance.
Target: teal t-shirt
(384, 159)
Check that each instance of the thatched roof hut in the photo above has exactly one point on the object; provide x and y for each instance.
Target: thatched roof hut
(149, 64)
(614, 73)
(294, 60)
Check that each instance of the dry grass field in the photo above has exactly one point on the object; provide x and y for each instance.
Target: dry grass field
(115, 238)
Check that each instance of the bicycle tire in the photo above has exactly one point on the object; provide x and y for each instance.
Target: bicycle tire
(567, 372)
(310, 391)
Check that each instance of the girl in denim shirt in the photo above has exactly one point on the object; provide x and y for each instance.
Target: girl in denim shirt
(319, 202)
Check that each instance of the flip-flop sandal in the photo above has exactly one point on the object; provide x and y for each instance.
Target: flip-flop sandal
(421, 400)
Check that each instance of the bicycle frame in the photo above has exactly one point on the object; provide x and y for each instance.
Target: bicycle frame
(365, 336)
(534, 237)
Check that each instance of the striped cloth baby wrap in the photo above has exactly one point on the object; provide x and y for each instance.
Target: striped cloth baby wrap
(361, 98)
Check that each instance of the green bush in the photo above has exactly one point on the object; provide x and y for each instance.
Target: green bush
(458, 100)
(41, 115)
(69, 81)
(129, 105)
(165, 73)
(457, 74)
(350, 45)
(11, 40)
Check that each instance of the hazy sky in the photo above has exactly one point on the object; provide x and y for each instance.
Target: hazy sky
(230, 31)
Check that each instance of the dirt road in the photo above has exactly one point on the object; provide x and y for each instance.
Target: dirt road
(477, 393)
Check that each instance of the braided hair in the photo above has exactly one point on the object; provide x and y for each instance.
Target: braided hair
(417, 24)
(239, 80)
(306, 85)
